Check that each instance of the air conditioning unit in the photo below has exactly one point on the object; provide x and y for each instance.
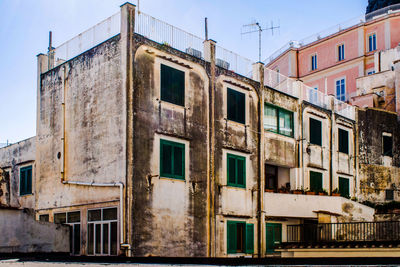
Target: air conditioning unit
(222, 63)
(193, 52)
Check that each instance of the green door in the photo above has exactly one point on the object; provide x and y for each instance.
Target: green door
(273, 236)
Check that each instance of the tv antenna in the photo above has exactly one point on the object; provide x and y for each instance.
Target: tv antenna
(259, 29)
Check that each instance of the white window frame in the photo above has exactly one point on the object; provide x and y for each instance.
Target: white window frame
(345, 89)
(314, 57)
(376, 41)
(338, 52)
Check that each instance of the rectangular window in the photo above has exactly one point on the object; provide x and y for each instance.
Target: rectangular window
(102, 232)
(389, 194)
(372, 42)
(172, 85)
(172, 159)
(343, 141)
(73, 219)
(273, 236)
(315, 181)
(236, 170)
(271, 177)
(240, 237)
(315, 132)
(344, 187)
(44, 217)
(25, 181)
(387, 145)
(314, 65)
(341, 90)
(371, 72)
(236, 106)
(278, 120)
(341, 52)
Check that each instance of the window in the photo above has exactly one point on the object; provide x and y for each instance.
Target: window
(273, 236)
(341, 90)
(344, 187)
(372, 42)
(236, 170)
(343, 141)
(371, 72)
(102, 232)
(240, 237)
(313, 95)
(315, 181)
(44, 217)
(25, 181)
(340, 52)
(236, 106)
(74, 220)
(315, 132)
(389, 194)
(314, 65)
(172, 159)
(387, 144)
(271, 177)
(278, 120)
(172, 85)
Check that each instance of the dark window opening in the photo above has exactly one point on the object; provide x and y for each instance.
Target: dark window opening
(389, 194)
(315, 181)
(236, 106)
(343, 141)
(315, 132)
(271, 177)
(172, 85)
(387, 146)
(44, 217)
(344, 187)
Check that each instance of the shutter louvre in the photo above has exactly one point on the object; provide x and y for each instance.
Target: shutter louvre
(250, 238)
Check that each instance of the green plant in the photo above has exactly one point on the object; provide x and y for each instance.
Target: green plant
(336, 191)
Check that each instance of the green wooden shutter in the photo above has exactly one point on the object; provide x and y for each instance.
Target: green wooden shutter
(315, 132)
(343, 141)
(241, 172)
(29, 181)
(315, 181)
(231, 170)
(250, 238)
(236, 106)
(231, 237)
(172, 85)
(231, 104)
(178, 164)
(22, 181)
(344, 187)
(241, 109)
(172, 159)
(165, 159)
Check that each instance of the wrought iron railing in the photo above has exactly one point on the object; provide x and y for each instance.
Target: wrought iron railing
(344, 232)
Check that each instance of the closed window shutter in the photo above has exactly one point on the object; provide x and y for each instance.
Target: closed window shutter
(231, 237)
(315, 181)
(172, 85)
(178, 161)
(249, 238)
(344, 187)
(315, 132)
(240, 171)
(22, 182)
(231, 170)
(28, 181)
(166, 159)
(231, 105)
(236, 106)
(343, 141)
(241, 107)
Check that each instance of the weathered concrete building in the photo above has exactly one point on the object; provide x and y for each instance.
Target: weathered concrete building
(148, 146)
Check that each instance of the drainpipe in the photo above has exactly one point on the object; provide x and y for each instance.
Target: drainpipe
(121, 204)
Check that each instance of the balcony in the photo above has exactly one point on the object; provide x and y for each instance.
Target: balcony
(313, 234)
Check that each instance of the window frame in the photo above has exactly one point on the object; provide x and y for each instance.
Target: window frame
(75, 227)
(236, 158)
(314, 62)
(247, 248)
(312, 141)
(340, 149)
(237, 118)
(341, 96)
(162, 64)
(278, 109)
(174, 144)
(340, 52)
(26, 182)
(374, 40)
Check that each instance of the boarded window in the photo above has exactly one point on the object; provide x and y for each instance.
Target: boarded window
(240, 237)
(25, 185)
(315, 181)
(315, 132)
(172, 159)
(172, 85)
(387, 145)
(343, 141)
(344, 187)
(236, 106)
(236, 170)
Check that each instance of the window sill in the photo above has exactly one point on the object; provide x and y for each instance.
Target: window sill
(172, 178)
(236, 122)
(289, 136)
(26, 195)
(236, 186)
(171, 105)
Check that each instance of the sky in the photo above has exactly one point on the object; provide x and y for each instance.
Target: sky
(25, 24)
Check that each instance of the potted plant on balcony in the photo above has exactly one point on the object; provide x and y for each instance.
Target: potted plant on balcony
(283, 190)
(309, 192)
(336, 192)
(298, 191)
(269, 190)
(322, 192)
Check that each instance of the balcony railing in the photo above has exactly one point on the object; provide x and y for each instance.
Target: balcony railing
(383, 11)
(344, 232)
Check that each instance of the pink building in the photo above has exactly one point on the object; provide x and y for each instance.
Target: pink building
(333, 62)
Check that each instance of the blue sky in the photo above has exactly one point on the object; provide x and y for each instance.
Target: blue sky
(24, 27)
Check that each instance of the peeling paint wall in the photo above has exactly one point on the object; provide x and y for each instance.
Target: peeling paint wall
(378, 172)
(12, 159)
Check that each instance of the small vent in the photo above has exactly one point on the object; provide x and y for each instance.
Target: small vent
(222, 63)
(193, 52)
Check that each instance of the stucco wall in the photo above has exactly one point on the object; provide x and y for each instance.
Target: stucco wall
(21, 233)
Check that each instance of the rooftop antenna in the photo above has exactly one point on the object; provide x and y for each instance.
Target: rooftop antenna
(259, 29)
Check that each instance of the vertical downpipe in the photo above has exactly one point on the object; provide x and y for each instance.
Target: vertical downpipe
(65, 83)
